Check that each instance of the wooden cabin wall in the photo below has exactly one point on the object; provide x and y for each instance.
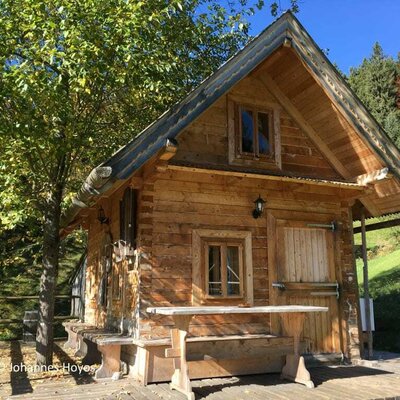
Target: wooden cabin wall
(117, 307)
(175, 202)
(205, 141)
(93, 313)
(179, 201)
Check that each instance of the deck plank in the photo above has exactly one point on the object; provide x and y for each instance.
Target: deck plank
(339, 383)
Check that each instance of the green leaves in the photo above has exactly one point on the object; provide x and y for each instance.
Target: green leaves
(375, 81)
(276, 8)
(80, 78)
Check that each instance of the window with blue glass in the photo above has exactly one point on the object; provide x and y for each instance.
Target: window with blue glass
(255, 133)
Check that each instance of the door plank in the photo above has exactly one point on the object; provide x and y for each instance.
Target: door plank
(305, 254)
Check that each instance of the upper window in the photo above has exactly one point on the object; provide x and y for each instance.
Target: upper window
(254, 132)
(254, 135)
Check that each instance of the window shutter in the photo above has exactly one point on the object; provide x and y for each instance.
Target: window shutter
(122, 219)
(128, 217)
(132, 219)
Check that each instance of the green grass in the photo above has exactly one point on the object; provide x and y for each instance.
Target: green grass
(384, 284)
(382, 237)
(378, 266)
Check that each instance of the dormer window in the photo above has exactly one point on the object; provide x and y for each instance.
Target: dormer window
(254, 135)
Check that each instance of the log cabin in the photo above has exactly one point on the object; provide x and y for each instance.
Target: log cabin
(244, 194)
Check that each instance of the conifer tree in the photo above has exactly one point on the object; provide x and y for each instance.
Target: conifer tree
(376, 82)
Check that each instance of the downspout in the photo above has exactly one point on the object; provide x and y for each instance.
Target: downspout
(98, 182)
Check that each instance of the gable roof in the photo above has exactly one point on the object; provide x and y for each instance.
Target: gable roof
(286, 29)
(132, 156)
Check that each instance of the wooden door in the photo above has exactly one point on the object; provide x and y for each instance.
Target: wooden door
(303, 272)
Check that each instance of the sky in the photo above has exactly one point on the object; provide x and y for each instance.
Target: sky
(348, 28)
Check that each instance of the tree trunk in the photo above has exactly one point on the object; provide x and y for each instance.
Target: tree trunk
(48, 280)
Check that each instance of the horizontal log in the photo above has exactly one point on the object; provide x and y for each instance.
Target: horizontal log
(20, 321)
(379, 225)
(327, 183)
(34, 297)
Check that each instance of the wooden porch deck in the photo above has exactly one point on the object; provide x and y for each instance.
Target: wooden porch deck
(339, 382)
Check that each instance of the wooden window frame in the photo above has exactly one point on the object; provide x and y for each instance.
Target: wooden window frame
(223, 244)
(272, 160)
(204, 237)
(255, 155)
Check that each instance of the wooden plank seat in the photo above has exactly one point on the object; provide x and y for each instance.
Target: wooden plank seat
(109, 344)
(212, 356)
(98, 345)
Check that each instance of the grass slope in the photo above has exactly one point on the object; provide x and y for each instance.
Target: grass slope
(384, 284)
(378, 267)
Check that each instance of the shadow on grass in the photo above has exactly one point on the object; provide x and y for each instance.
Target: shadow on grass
(20, 382)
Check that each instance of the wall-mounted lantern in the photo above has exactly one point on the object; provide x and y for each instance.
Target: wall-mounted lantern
(101, 216)
(259, 208)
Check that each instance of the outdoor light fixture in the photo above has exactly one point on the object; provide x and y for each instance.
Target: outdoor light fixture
(101, 216)
(257, 212)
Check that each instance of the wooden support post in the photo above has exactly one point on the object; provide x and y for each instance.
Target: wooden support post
(110, 362)
(180, 379)
(366, 285)
(295, 369)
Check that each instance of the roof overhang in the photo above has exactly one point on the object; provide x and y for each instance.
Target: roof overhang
(285, 31)
(270, 177)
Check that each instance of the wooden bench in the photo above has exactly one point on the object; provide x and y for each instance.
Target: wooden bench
(109, 344)
(292, 319)
(98, 345)
(212, 356)
(217, 355)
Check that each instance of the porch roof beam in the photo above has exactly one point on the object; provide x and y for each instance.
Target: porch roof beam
(307, 181)
(378, 225)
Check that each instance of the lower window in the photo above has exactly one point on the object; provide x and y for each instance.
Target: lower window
(222, 268)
